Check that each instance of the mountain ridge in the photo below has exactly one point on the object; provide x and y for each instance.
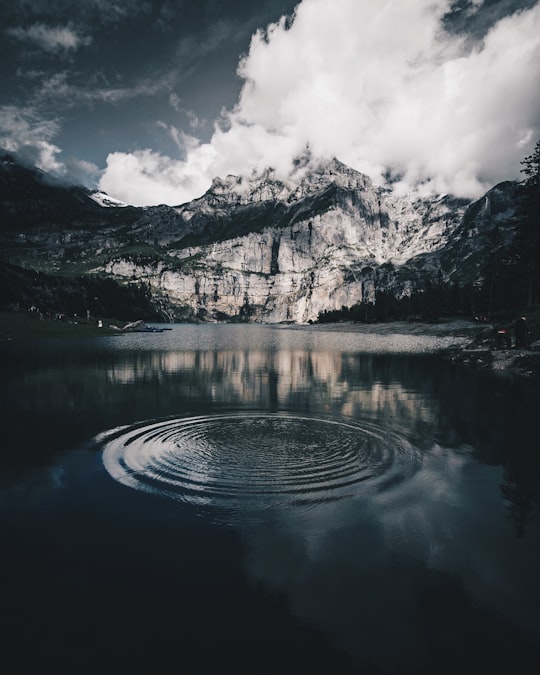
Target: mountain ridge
(259, 248)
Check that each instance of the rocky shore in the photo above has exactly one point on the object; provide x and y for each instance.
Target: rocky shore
(493, 347)
(521, 362)
(474, 344)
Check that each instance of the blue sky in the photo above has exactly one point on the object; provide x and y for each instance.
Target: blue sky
(151, 99)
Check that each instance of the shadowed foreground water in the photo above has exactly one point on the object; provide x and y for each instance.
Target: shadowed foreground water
(257, 499)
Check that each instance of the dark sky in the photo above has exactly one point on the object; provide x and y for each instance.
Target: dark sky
(120, 66)
(130, 90)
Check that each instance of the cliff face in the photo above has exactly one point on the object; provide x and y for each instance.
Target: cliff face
(330, 240)
(260, 249)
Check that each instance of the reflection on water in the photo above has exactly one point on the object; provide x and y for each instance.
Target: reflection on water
(240, 464)
(294, 498)
(335, 382)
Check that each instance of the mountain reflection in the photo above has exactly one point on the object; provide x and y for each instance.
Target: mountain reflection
(344, 384)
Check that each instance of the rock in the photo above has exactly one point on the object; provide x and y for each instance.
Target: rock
(134, 326)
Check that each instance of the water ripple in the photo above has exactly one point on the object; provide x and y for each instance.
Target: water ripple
(255, 460)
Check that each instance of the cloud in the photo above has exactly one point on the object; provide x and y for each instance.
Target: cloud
(80, 172)
(477, 17)
(50, 38)
(29, 135)
(103, 11)
(382, 87)
(61, 87)
(146, 177)
(176, 103)
(184, 142)
(115, 12)
(25, 132)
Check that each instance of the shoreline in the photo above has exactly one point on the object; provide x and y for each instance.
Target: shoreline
(474, 347)
(477, 350)
(451, 327)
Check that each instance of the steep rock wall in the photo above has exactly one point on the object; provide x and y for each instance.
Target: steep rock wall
(325, 258)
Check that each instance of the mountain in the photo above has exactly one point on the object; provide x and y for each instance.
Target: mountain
(256, 247)
(30, 198)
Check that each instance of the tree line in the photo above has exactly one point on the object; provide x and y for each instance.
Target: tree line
(436, 300)
(50, 295)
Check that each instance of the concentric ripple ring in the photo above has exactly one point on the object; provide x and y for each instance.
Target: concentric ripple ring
(252, 460)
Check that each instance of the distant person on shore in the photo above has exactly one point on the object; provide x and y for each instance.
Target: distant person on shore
(521, 333)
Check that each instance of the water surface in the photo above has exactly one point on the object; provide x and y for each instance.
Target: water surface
(265, 499)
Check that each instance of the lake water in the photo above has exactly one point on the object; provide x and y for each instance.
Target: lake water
(257, 499)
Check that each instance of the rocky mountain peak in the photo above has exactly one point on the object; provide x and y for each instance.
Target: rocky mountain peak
(266, 186)
(330, 173)
(237, 190)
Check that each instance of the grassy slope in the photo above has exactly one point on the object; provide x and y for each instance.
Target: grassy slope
(17, 325)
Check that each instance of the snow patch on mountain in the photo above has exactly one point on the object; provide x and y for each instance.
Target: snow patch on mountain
(105, 200)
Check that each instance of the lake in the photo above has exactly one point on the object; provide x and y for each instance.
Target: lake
(266, 499)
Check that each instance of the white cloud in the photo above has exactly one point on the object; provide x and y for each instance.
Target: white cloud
(59, 87)
(50, 38)
(26, 133)
(146, 177)
(378, 85)
(176, 103)
(184, 142)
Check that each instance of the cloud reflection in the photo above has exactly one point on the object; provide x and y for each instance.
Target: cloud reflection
(426, 535)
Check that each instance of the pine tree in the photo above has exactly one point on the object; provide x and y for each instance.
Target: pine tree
(528, 235)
